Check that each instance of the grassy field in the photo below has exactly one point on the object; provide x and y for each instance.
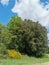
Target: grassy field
(24, 61)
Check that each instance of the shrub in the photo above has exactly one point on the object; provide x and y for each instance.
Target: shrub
(14, 54)
(1, 55)
(2, 48)
(46, 56)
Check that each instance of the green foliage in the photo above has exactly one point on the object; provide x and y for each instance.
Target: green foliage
(14, 23)
(5, 35)
(33, 39)
(2, 48)
(14, 27)
(1, 55)
(46, 56)
(26, 36)
(5, 38)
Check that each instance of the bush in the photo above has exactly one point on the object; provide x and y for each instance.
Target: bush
(1, 55)
(2, 48)
(14, 54)
(46, 56)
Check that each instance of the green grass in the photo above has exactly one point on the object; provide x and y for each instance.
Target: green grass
(24, 61)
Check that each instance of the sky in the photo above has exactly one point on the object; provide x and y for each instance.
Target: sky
(36, 10)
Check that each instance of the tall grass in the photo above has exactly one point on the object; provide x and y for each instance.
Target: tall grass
(25, 60)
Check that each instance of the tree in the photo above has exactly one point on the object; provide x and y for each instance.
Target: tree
(28, 37)
(33, 38)
(14, 28)
(5, 37)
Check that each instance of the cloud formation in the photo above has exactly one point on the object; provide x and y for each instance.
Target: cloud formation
(32, 9)
(4, 2)
(48, 35)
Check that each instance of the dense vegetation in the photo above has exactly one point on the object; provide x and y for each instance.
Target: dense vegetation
(25, 36)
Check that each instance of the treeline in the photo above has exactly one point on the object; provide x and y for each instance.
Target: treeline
(25, 36)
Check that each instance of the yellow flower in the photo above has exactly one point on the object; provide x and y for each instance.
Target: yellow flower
(14, 54)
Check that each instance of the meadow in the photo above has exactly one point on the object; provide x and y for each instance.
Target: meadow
(25, 60)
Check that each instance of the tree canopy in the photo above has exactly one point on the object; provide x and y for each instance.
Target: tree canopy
(25, 36)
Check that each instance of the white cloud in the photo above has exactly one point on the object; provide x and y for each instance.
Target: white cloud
(32, 9)
(48, 35)
(4, 2)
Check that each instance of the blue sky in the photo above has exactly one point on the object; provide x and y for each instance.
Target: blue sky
(36, 10)
(5, 12)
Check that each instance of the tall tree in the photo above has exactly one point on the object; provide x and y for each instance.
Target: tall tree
(14, 27)
(33, 39)
(5, 37)
(27, 36)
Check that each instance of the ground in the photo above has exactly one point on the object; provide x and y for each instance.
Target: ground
(45, 63)
(25, 60)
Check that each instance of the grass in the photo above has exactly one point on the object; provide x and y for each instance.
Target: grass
(24, 61)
